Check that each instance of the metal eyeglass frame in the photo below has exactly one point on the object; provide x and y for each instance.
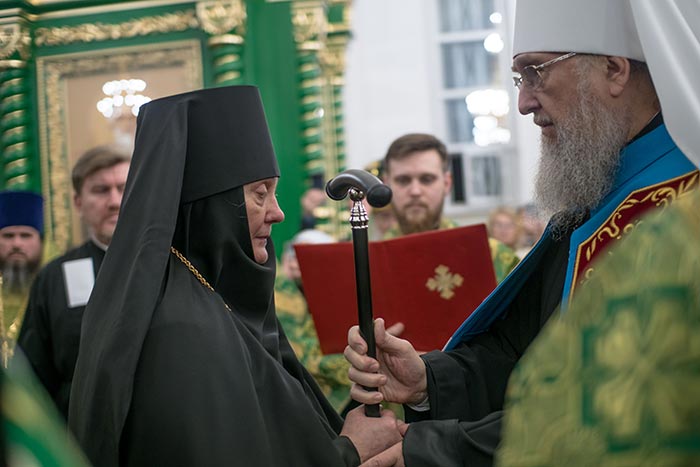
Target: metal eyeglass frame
(531, 77)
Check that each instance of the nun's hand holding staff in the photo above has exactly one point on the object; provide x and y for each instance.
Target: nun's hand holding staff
(359, 184)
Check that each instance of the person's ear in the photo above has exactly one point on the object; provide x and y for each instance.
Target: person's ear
(618, 74)
(77, 201)
(448, 181)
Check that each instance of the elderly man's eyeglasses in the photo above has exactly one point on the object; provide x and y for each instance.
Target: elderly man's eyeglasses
(531, 75)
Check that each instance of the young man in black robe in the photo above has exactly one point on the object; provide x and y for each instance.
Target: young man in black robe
(50, 333)
(184, 362)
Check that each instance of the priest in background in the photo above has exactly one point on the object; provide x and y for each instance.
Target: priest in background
(50, 334)
(21, 232)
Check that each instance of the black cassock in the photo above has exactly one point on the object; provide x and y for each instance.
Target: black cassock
(50, 333)
(206, 392)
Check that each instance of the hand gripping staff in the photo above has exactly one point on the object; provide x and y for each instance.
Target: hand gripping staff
(360, 184)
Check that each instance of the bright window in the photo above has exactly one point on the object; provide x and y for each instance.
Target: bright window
(474, 69)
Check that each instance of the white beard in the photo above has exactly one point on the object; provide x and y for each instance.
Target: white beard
(578, 165)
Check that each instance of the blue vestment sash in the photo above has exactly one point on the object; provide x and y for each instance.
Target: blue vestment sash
(650, 160)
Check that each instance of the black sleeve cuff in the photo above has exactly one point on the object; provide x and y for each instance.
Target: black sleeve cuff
(449, 443)
(347, 451)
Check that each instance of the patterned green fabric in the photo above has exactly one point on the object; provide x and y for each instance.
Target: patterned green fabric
(503, 257)
(330, 371)
(35, 433)
(616, 381)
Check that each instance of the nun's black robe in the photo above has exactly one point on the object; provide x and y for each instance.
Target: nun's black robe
(207, 393)
(167, 375)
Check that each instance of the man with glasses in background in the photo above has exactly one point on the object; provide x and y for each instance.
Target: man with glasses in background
(606, 159)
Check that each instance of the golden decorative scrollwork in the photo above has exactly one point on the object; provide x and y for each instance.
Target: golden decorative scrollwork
(310, 26)
(226, 39)
(333, 60)
(221, 17)
(14, 38)
(225, 22)
(626, 217)
(170, 22)
(659, 197)
(7, 64)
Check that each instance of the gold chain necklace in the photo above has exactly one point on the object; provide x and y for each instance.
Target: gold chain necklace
(196, 273)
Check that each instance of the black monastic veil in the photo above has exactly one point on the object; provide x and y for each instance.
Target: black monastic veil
(166, 374)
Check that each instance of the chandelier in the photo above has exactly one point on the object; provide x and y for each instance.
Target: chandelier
(123, 98)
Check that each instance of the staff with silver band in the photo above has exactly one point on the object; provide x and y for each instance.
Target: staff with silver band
(359, 184)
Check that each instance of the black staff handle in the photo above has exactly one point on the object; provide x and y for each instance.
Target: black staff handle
(377, 194)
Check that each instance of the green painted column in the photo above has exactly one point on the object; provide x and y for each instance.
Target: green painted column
(311, 111)
(225, 23)
(17, 164)
(310, 31)
(309, 20)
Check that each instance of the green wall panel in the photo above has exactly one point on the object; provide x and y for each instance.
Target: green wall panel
(271, 56)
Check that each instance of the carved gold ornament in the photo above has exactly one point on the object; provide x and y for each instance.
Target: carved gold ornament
(219, 17)
(444, 282)
(14, 38)
(96, 32)
(332, 60)
(310, 27)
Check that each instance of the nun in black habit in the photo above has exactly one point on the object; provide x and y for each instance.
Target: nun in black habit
(182, 361)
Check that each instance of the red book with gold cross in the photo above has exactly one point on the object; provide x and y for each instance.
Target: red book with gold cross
(429, 281)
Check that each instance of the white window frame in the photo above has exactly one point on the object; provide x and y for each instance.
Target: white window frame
(476, 206)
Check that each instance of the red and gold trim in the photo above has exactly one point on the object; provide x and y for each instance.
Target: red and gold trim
(626, 217)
